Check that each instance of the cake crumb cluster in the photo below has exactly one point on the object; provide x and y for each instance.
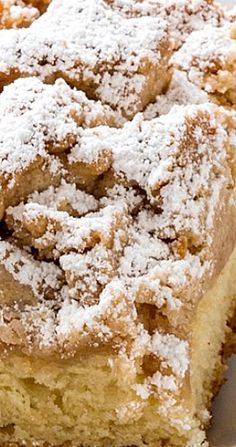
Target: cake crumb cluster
(20, 13)
(118, 63)
(208, 57)
(183, 16)
(39, 121)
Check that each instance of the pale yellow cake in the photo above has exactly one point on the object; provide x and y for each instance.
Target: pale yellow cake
(117, 221)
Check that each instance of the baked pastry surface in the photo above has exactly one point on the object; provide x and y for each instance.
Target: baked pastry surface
(117, 235)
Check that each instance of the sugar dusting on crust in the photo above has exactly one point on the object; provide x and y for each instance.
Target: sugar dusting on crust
(16, 14)
(115, 61)
(105, 55)
(180, 92)
(137, 247)
(61, 233)
(32, 115)
(161, 161)
(38, 122)
(65, 197)
(183, 16)
(172, 352)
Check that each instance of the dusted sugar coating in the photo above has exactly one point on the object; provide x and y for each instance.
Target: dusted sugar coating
(123, 62)
(66, 197)
(20, 13)
(16, 14)
(183, 16)
(118, 64)
(209, 59)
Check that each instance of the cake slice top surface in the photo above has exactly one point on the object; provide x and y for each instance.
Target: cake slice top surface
(130, 221)
(114, 52)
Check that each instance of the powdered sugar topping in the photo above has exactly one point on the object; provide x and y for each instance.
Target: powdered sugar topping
(210, 50)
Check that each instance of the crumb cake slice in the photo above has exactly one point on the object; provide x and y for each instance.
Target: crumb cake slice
(115, 302)
(38, 123)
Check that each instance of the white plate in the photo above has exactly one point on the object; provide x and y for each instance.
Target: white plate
(223, 432)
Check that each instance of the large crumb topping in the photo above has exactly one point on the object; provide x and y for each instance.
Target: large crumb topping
(108, 55)
(16, 14)
(183, 16)
(131, 245)
(208, 56)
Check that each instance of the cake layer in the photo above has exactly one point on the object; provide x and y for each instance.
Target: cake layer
(211, 328)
